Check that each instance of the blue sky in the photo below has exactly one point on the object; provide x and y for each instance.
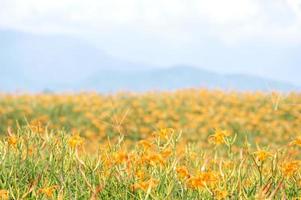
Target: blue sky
(261, 37)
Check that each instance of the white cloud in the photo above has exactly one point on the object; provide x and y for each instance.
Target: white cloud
(174, 20)
(228, 12)
(167, 32)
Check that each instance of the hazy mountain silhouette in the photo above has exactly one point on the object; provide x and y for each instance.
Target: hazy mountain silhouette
(178, 77)
(34, 63)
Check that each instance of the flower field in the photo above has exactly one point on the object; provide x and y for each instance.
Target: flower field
(186, 144)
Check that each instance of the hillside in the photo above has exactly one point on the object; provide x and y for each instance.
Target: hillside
(35, 63)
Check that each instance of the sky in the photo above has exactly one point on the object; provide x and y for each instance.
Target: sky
(261, 37)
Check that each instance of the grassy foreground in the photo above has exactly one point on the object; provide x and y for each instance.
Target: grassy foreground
(54, 165)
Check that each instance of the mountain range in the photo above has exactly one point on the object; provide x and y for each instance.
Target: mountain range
(31, 62)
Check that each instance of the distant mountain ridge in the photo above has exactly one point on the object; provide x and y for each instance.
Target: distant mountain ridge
(35, 63)
(179, 77)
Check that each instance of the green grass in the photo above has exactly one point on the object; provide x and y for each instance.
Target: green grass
(37, 162)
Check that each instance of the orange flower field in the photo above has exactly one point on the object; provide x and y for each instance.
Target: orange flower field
(186, 144)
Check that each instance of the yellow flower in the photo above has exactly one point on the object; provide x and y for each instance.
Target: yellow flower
(145, 185)
(121, 157)
(140, 174)
(12, 140)
(209, 177)
(296, 142)
(182, 172)
(202, 179)
(290, 168)
(166, 153)
(220, 194)
(164, 133)
(48, 191)
(145, 144)
(156, 159)
(196, 182)
(36, 126)
(262, 155)
(75, 141)
(4, 194)
(219, 136)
